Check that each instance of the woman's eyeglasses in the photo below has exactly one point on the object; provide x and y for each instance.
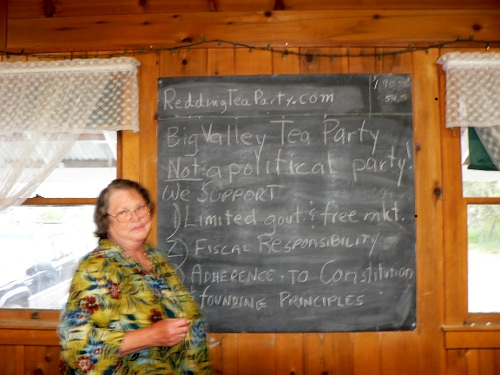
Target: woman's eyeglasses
(125, 216)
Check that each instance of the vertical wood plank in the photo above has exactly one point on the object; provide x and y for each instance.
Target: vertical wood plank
(252, 62)
(52, 358)
(455, 362)
(286, 63)
(400, 354)
(220, 62)
(429, 208)
(230, 360)
(128, 161)
(392, 62)
(3, 23)
(472, 362)
(314, 357)
(289, 354)
(256, 353)
(365, 64)
(20, 360)
(191, 63)
(7, 364)
(183, 63)
(339, 355)
(215, 348)
(313, 62)
(147, 162)
(487, 364)
(41, 360)
(367, 353)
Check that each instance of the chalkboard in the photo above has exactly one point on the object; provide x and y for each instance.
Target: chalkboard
(286, 203)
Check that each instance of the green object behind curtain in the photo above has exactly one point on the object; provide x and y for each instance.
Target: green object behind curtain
(478, 157)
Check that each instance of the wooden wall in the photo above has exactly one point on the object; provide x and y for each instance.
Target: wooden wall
(365, 39)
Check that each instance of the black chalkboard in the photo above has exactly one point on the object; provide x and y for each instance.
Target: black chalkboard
(287, 202)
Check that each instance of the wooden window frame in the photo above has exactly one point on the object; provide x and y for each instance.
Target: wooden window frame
(40, 319)
(462, 329)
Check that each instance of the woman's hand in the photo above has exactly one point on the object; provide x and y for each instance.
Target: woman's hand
(169, 332)
(166, 332)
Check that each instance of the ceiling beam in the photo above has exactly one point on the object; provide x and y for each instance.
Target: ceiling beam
(259, 29)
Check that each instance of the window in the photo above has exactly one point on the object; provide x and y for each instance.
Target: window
(479, 189)
(471, 198)
(42, 243)
(66, 112)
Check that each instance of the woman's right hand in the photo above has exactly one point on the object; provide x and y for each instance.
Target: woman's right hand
(169, 332)
(166, 332)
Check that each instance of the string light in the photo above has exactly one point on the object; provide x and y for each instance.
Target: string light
(268, 48)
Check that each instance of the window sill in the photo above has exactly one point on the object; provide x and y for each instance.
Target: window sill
(472, 337)
(29, 327)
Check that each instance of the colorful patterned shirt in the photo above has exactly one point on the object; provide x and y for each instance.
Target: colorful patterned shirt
(111, 294)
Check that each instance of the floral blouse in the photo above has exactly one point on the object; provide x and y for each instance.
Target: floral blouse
(111, 294)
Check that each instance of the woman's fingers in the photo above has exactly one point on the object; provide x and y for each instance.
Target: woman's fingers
(174, 330)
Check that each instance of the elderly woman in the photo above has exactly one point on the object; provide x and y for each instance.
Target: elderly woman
(127, 312)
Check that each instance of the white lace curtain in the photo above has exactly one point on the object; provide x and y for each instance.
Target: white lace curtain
(473, 96)
(46, 105)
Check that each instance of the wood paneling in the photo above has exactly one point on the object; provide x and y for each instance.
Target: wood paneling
(314, 360)
(311, 62)
(305, 353)
(8, 359)
(386, 4)
(41, 360)
(71, 8)
(220, 62)
(229, 359)
(145, 154)
(320, 37)
(3, 24)
(286, 63)
(277, 29)
(429, 210)
(289, 354)
(367, 354)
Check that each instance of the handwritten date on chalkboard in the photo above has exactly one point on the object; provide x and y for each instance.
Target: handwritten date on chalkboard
(286, 203)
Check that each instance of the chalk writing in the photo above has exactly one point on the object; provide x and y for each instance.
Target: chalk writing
(289, 195)
(238, 98)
